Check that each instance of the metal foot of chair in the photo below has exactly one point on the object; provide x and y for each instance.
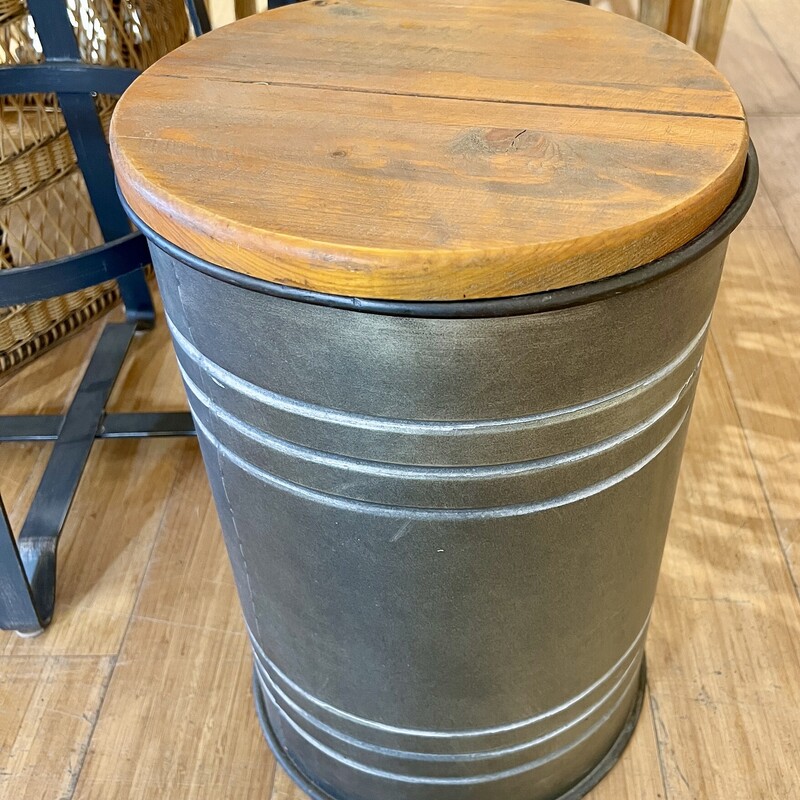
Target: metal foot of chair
(28, 565)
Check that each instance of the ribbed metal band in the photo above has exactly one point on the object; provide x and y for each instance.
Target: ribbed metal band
(578, 791)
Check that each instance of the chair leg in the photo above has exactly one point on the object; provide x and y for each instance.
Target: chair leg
(198, 14)
(244, 8)
(712, 25)
(17, 606)
(28, 567)
(680, 18)
(655, 13)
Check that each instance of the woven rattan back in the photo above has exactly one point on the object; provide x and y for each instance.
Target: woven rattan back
(45, 211)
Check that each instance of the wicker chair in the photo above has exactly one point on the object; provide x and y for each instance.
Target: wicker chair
(45, 210)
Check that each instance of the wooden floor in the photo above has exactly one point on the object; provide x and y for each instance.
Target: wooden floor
(141, 687)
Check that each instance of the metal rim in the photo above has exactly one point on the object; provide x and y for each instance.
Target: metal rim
(491, 307)
(580, 790)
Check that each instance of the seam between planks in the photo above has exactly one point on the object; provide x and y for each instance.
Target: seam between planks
(424, 96)
(655, 718)
(75, 774)
(123, 639)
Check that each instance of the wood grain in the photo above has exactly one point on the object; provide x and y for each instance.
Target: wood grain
(762, 81)
(48, 383)
(363, 153)
(499, 51)
(284, 788)
(762, 213)
(780, 137)
(189, 580)
(757, 330)
(638, 773)
(22, 466)
(724, 648)
(148, 380)
(780, 21)
(192, 731)
(48, 708)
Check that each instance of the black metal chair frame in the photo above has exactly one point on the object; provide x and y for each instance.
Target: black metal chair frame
(28, 565)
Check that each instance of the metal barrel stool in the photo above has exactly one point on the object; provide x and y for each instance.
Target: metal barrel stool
(439, 279)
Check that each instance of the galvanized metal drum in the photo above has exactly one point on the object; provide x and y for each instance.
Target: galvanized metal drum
(446, 520)
(439, 278)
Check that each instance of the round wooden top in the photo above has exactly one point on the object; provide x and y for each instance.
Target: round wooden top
(430, 149)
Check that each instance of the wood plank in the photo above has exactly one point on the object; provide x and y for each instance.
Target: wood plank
(191, 733)
(187, 662)
(22, 466)
(720, 696)
(724, 647)
(491, 210)
(221, 12)
(441, 48)
(149, 379)
(189, 591)
(189, 580)
(778, 138)
(521, 172)
(110, 531)
(761, 79)
(48, 708)
(628, 8)
(780, 21)
(757, 330)
(762, 213)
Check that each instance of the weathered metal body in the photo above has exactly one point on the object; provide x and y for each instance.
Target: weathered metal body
(446, 532)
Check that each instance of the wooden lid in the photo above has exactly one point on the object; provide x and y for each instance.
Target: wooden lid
(430, 149)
